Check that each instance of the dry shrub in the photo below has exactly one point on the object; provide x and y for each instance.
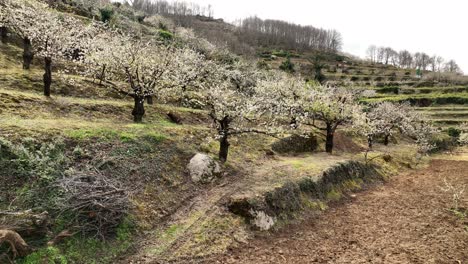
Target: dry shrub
(96, 204)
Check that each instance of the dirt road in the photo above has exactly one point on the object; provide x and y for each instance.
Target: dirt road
(403, 221)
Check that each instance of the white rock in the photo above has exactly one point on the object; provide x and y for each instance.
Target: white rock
(262, 220)
(203, 168)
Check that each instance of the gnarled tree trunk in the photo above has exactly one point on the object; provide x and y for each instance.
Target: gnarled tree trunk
(17, 245)
(47, 75)
(329, 139)
(223, 141)
(370, 141)
(223, 148)
(25, 222)
(102, 76)
(138, 109)
(4, 34)
(28, 54)
(386, 140)
(149, 99)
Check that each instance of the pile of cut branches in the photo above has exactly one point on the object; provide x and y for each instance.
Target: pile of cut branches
(95, 203)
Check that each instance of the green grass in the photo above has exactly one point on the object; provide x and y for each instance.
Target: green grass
(450, 121)
(444, 108)
(448, 89)
(101, 133)
(421, 90)
(113, 134)
(28, 113)
(434, 98)
(446, 114)
(166, 237)
(333, 195)
(302, 164)
(85, 250)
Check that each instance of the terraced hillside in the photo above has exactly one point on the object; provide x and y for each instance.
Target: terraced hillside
(91, 129)
(107, 189)
(86, 128)
(447, 115)
(340, 68)
(446, 105)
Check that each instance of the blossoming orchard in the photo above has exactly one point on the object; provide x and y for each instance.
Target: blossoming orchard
(238, 97)
(162, 131)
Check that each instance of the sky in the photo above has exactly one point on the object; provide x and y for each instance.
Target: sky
(430, 26)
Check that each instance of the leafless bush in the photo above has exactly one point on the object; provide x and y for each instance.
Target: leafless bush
(95, 203)
(456, 192)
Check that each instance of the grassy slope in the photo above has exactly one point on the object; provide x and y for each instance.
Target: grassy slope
(180, 219)
(150, 156)
(98, 132)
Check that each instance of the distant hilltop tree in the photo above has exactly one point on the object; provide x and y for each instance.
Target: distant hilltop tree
(181, 12)
(452, 67)
(289, 35)
(251, 31)
(407, 60)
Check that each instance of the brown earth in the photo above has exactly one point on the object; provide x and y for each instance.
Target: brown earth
(404, 221)
(344, 143)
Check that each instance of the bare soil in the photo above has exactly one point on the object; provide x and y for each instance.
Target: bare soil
(403, 221)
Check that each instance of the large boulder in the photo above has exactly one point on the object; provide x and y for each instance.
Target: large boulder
(203, 168)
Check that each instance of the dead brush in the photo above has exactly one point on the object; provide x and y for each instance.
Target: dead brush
(457, 196)
(97, 203)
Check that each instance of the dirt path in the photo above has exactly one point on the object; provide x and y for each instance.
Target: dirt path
(179, 238)
(403, 221)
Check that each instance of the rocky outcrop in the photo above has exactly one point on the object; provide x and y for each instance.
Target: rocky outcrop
(283, 202)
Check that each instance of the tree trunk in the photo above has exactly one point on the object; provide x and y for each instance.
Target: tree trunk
(223, 148)
(28, 55)
(223, 141)
(386, 140)
(103, 75)
(4, 35)
(139, 109)
(17, 245)
(370, 141)
(329, 140)
(149, 99)
(25, 222)
(293, 123)
(47, 75)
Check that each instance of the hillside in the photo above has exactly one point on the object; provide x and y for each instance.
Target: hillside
(444, 101)
(157, 145)
(180, 219)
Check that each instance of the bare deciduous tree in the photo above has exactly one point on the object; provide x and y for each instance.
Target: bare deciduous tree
(405, 59)
(288, 35)
(452, 67)
(372, 53)
(380, 54)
